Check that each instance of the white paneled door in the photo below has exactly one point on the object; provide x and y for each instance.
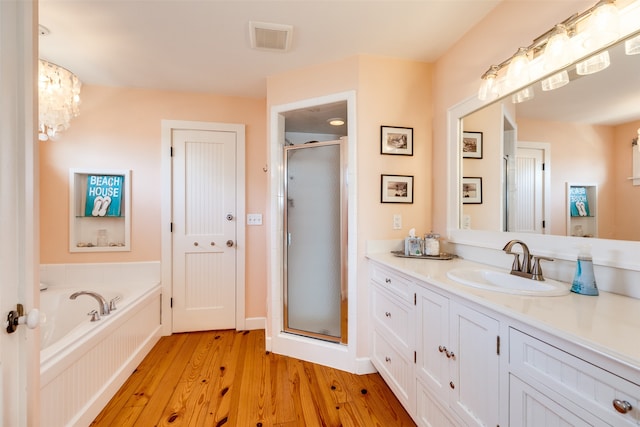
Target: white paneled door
(205, 227)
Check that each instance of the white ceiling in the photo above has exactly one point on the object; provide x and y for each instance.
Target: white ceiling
(203, 46)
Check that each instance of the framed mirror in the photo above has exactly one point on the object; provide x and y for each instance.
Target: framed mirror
(582, 133)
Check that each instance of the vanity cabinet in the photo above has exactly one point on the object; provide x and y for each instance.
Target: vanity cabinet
(437, 355)
(457, 361)
(392, 312)
(547, 383)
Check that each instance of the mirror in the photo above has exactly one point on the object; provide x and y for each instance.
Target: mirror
(582, 133)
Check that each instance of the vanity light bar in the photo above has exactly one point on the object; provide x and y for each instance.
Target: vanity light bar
(575, 25)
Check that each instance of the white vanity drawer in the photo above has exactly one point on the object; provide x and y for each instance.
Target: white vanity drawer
(590, 387)
(396, 370)
(393, 316)
(392, 281)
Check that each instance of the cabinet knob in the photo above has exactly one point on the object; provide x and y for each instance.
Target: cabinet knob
(387, 280)
(195, 243)
(450, 354)
(387, 359)
(386, 313)
(622, 406)
(213, 243)
(452, 385)
(442, 349)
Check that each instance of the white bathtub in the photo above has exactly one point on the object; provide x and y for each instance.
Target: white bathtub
(83, 363)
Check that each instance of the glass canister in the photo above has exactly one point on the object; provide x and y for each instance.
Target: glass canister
(432, 244)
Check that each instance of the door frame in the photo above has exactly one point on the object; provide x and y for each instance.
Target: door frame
(166, 215)
(338, 356)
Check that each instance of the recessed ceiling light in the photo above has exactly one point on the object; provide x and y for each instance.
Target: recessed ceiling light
(336, 121)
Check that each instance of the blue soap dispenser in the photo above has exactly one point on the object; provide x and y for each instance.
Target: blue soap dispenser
(584, 281)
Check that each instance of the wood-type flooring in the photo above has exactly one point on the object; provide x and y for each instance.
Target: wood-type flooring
(226, 378)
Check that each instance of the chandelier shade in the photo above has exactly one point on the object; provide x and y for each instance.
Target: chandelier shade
(58, 99)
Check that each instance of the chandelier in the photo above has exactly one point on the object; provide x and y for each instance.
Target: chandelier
(58, 99)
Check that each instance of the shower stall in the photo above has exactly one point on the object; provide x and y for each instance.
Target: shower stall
(315, 240)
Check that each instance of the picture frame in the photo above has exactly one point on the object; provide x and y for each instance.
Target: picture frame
(471, 190)
(396, 189)
(396, 140)
(472, 145)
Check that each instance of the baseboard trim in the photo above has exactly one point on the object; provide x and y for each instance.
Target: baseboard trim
(252, 323)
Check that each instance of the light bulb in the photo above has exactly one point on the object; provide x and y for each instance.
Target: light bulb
(557, 52)
(555, 81)
(604, 25)
(594, 64)
(632, 46)
(488, 90)
(518, 71)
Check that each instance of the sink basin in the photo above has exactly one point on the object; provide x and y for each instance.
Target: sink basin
(508, 283)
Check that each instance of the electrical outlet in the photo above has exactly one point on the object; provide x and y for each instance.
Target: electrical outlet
(397, 222)
(466, 222)
(254, 219)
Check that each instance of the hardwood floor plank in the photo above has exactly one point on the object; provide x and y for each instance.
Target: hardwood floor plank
(226, 379)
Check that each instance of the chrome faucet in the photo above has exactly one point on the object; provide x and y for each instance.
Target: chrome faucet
(104, 305)
(530, 267)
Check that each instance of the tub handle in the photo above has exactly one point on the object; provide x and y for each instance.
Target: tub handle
(95, 316)
(112, 303)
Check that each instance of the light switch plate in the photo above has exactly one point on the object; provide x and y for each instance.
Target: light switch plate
(397, 222)
(254, 219)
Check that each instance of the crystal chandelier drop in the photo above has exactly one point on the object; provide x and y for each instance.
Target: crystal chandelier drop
(58, 99)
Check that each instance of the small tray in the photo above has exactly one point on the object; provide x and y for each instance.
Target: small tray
(443, 256)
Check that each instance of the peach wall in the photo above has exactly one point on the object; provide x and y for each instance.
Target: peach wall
(119, 128)
(513, 23)
(627, 195)
(580, 153)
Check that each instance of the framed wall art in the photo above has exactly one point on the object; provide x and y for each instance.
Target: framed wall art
(396, 140)
(472, 190)
(396, 189)
(472, 145)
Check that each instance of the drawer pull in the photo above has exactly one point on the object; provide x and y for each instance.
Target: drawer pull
(387, 314)
(622, 406)
(387, 359)
(387, 280)
(452, 385)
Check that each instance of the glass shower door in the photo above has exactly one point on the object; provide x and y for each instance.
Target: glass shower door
(315, 244)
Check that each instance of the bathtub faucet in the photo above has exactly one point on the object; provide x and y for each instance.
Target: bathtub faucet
(104, 305)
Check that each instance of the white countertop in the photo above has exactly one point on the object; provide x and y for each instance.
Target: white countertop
(607, 323)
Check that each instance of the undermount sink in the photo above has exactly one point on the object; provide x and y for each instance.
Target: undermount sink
(508, 283)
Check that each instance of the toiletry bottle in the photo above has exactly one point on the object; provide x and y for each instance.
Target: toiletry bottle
(584, 281)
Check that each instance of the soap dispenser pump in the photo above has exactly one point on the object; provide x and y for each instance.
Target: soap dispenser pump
(584, 281)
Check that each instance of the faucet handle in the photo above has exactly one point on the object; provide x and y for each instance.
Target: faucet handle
(95, 316)
(112, 303)
(536, 269)
(516, 260)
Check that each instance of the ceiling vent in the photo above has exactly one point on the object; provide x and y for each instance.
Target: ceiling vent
(265, 36)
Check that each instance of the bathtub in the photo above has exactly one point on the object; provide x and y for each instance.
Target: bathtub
(83, 363)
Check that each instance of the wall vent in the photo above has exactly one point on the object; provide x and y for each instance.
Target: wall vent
(265, 36)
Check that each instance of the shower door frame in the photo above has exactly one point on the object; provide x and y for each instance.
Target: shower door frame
(344, 197)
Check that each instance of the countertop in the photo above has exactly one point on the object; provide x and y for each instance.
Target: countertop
(608, 323)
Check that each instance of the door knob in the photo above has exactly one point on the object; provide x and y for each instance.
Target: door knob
(229, 217)
(229, 243)
(18, 317)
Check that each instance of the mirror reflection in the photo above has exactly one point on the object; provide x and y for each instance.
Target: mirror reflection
(562, 163)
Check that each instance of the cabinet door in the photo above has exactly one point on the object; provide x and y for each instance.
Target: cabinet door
(530, 408)
(433, 337)
(429, 413)
(475, 366)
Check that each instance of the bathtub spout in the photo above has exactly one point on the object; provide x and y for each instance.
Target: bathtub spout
(104, 305)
